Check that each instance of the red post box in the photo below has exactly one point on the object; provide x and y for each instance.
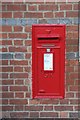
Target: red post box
(48, 61)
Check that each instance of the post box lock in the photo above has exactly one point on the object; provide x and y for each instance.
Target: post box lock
(48, 61)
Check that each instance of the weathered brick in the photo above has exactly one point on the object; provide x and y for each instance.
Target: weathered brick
(7, 108)
(19, 115)
(18, 69)
(66, 7)
(20, 62)
(48, 7)
(19, 56)
(7, 56)
(18, 28)
(48, 108)
(18, 88)
(33, 15)
(8, 95)
(6, 28)
(6, 14)
(18, 101)
(64, 108)
(48, 14)
(34, 114)
(33, 108)
(18, 35)
(32, 7)
(19, 108)
(18, 14)
(19, 95)
(71, 14)
(49, 114)
(59, 14)
(7, 69)
(19, 75)
(19, 82)
(73, 115)
(16, 7)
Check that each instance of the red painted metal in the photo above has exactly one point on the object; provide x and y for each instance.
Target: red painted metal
(48, 40)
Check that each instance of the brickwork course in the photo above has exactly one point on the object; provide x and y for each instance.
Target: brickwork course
(16, 58)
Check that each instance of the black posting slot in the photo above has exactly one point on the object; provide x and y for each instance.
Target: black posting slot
(48, 38)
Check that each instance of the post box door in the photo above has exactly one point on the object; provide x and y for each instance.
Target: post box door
(48, 80)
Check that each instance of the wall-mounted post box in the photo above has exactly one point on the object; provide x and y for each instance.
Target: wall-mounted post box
(48, 61)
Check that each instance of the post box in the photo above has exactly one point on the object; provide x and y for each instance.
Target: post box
(48, 61)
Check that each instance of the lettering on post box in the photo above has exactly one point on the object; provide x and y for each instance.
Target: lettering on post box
(48, 61)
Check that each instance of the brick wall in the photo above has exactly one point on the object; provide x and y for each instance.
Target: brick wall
(17, 20)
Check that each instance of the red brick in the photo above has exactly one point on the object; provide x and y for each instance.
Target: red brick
(4, 7)
(72, 14)
(27, 69)
(32, 7)
(7, 82)
(48, 15)
(18, 101)
(18, 29)
(69, 82)
(69, 69)
(19, 108)
(28, 29)
(18, 88)
(18, 35)
(19, 75)
(75, 6)
(4, 75)
(4, 101)
(64, 101)
(6, 28)
(66, 7)
(74, 101)
(33, 108)
(19, 82)
(6, 14)
(17, 49)
(49, 114)
(59, 14)
(28, 95)
(48, 108)
(4, 88)
(28, 56)
(4, 50)
(16, 62)
(70, 95)
(8, 95)
(72, 28)
(64, 108)
(63, 114)
(19, 95)
(28, 42)
(19, 114)
(18, 42)
(7, 108)
(16, 7)
(7, 42)
(74, 88)
(18, 69)
(33, 15)
(4, 62)
(48, 7)
(73, 75)
(3, 35)
(7, 69)
(18, 14)
(34, 114)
